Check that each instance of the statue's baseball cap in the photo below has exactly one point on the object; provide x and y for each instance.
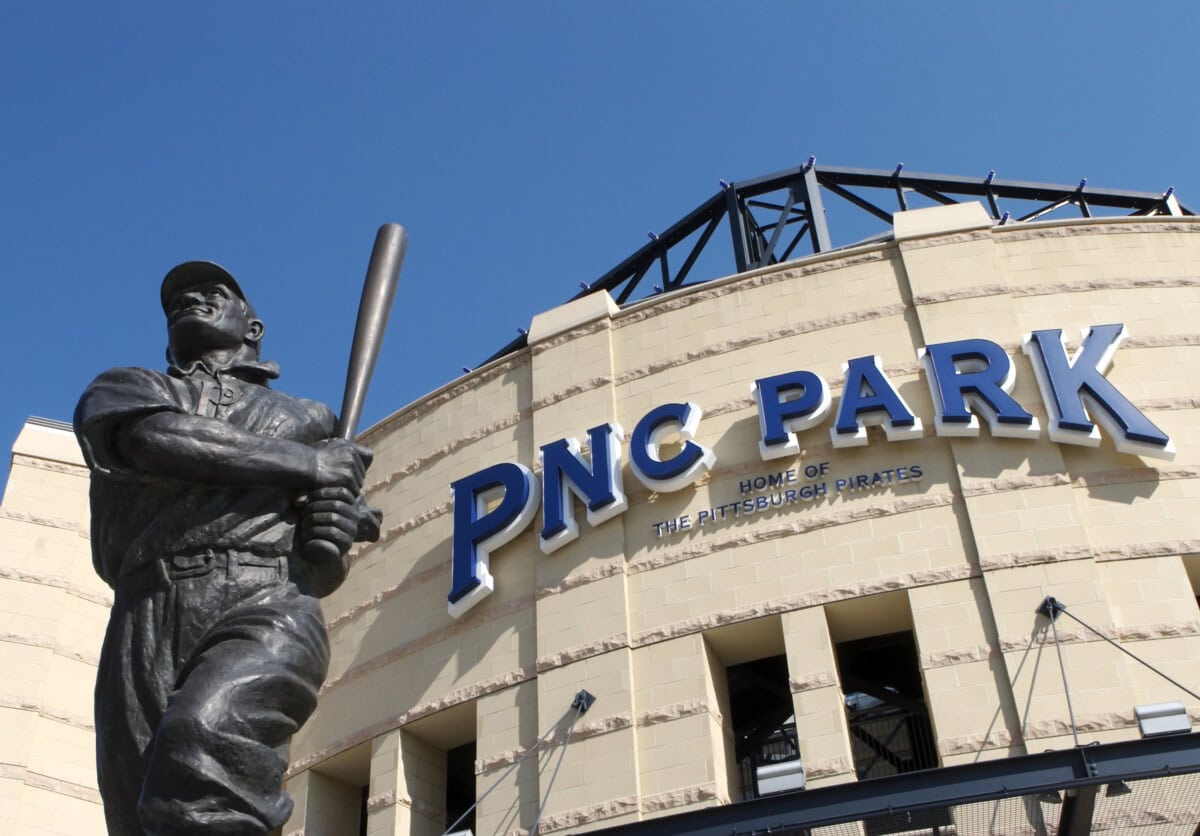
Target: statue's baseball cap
(193, 274)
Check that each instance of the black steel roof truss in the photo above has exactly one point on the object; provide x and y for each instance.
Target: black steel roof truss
(753, 246)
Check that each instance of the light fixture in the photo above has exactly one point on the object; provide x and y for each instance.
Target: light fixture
(1162, 718)
(1049, 797)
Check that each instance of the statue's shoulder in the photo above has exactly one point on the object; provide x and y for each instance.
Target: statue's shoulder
(120, 393)
(130, 376)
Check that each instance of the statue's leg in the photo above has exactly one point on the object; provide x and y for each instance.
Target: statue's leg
(217, 762)
(135, 675)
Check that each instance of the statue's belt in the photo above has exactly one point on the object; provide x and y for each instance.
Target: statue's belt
(166, 570)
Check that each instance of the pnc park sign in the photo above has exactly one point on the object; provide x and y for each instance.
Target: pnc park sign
(968, 379)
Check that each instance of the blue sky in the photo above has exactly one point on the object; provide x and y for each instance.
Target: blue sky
(526, 146)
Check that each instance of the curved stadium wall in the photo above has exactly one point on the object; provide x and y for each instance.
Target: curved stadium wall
(881, 626)
(708, 638)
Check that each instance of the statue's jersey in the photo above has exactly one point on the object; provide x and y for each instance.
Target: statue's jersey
(137, 518)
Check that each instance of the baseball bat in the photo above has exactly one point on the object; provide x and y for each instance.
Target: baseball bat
(379, 289)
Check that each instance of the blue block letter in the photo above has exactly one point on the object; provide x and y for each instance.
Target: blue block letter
(681, 469)
(477, 531)
(869, 398)
(564, 472)
(1068, 385)
(976, 373)
(788, 404)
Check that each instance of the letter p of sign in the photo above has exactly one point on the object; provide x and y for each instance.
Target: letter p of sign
(478, 528)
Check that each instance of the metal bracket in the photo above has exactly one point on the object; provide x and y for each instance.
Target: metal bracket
(583, 701)
(1051, 607)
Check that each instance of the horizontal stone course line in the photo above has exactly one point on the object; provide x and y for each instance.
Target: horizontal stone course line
(388, 593)
(727, 346)
(458, 696)
(49, 783)
(591, 813)
(610, 723)
(827, 768)
(36, 707)
(651, 308)
(1054, 288)
(578, 652)
(968, 743)
(1105, 721)
(575, 580)
(941, 239)
(421, 642)
(47, 643)
(801, 601)
(571, 391)
(1129, 475)
(812, 681)
(1100, 554)
(444, 395)
(582, 731)
(1083, 227)
(1069, 633)
(53, 465)
(464, 440)
(428, 515)
(1085, 285)
(959, 293)
(677, 711)
(48, 522)
(103, 598)
(683, 797)
(603, 323)
(385, 800)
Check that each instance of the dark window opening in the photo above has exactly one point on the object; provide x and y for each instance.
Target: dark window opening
(362, 811)
(764, 726)
(890, 730)
(460, 786)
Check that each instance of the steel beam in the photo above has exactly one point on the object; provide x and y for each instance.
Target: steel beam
(816, 211)
(1065, 769)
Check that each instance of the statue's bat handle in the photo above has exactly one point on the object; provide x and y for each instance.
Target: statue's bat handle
(379, 289)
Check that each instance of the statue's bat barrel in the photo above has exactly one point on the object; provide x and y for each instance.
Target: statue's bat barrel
(325, 565)
(383, 273)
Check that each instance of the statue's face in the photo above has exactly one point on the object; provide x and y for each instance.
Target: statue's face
(208, 317)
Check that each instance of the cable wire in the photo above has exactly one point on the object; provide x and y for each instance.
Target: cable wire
(1063, 668)
(579, 709)
(1131, 654)
(545, 735)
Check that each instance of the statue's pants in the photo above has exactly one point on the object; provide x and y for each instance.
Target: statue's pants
(211, 662)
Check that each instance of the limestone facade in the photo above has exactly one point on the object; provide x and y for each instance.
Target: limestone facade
(649, 620)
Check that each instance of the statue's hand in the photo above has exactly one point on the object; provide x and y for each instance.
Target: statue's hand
(340, 464)
(332, 515)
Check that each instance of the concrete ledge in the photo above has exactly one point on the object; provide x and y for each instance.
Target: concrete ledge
(578, 312)
(938, 220)
(45, 442)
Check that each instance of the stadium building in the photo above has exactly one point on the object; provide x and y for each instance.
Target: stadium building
(895, 537)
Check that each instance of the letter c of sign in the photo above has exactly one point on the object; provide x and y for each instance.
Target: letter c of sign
(682, 469)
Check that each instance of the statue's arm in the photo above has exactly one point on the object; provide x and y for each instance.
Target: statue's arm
(194, 448)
